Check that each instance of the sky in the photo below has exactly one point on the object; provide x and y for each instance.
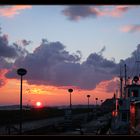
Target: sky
(66, 46)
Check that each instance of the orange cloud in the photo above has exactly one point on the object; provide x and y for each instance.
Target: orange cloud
(78, 12)
(130, 28)
(10, 11)
(108, 86)
(2, 77)
(117, 11)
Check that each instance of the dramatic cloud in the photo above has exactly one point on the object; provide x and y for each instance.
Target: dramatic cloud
(95, 69)
(132, 66)
(78, 12)
(51, 64)
(48, 63)
(10, 11)
(5, 64)
(8, 55)
(133, 63)
(10, 51)
(131, 28)
(5, 49)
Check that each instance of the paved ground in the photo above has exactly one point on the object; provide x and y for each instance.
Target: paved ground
(94, 127)
(32, 125)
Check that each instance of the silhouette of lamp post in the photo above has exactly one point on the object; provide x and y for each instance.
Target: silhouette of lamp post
(96, 101)
(88, 96)
(70, 91)
(101, 101)
(21, 72)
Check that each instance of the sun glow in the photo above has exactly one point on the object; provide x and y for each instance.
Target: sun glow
(35, 91)
(38, 104)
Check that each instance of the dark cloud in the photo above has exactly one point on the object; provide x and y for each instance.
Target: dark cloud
(96, 69)
(99, 62)
(133, 62)
(51, 64)
(8, 54)
(46, 62)
(5, 49)
(4, 64)
(10, 51)
(25, 42)
(132, 69)
(78, 12)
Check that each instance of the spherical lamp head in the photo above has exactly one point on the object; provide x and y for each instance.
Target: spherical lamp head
(70, 90)
(21, 71)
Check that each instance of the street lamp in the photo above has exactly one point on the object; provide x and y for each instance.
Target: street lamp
(21, 72)
(96, 101)
(70, 91)
(88, 96)
(101, 101)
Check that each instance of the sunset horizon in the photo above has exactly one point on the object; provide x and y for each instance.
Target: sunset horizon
(78, 47)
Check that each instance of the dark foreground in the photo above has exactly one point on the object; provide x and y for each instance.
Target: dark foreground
(54, 121)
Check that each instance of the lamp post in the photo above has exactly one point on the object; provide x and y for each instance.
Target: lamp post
(21, 72)
(88, 96)
(96, 101)
(70, 91)
(101, 101)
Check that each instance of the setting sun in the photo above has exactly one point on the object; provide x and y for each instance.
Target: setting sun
(38, 104)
